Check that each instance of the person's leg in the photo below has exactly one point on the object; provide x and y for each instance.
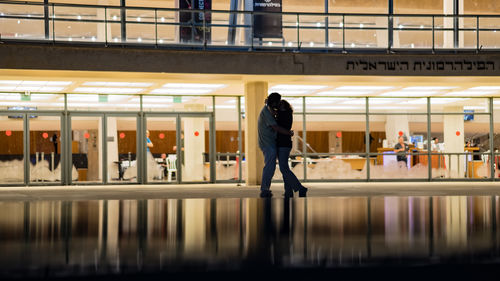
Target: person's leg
(270, 154)
(289, 178)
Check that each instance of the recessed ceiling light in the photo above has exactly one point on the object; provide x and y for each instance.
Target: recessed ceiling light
(428, 88)
(364, 88)
(173, 91)
(344, 93)
(487, 88)
(409, 93)
(107, 90)
(283, 87)
(468, 93)
(193, 86)
(118, 84)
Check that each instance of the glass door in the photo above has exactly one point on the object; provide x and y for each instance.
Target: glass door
(45, 148)
(86, 135)
(12, 148)
(160, 143)
(121, 141)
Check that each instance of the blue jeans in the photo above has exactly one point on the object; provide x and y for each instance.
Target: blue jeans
(270, 154)
(289, 178)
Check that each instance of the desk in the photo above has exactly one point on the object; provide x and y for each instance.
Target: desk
(473, 166)
(383, 152)
(437, 161)
(356, 163)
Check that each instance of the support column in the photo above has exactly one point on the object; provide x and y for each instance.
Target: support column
(112, 142)
(255, 95)
(454, 143)
(194, 144)
(395, 124)
(453, 39)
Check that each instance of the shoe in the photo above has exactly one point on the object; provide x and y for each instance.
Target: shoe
(266, 194)
(303, 191)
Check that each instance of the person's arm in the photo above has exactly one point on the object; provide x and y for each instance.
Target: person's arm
(149, 144)
(282, 130)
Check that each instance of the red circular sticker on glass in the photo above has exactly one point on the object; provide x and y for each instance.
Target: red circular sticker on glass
(122, 135)
(8, 133)
(196, 133)
(45, 135)
(161, 135)
(400, 133)
(458, 133)
(86, 135)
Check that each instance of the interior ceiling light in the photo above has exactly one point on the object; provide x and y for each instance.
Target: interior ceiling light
(107, 90)
(485, 88)
(344, 93)
(181, 91)
(469, 93)
(30, 89)
(34, 83)
(409, 93)
(434, 101)
(118, 84)
(364, 88)
(285, 87)
(324, 100)
(428, 88)
(193, 86)
(290, 92)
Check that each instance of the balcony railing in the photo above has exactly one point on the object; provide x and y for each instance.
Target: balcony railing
(217, 29)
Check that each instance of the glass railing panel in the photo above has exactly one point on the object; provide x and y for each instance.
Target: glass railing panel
(167, 27)
(365, 31)
(489, 37)
(22, 22)
(141, 26)
(312, 31)
(412, 32)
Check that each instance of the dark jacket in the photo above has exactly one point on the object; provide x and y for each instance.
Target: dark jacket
(285, 120)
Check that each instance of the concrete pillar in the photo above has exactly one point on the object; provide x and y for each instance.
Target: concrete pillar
(255, 95)
(395, 124)
(454, 143)
(112, 148)
(194, 144)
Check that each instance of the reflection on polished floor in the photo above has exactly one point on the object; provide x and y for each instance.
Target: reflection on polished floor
(301, 238)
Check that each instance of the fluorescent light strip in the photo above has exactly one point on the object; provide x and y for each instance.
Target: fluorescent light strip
(434, 101)
(108, 90)
(291, 92)
(118, 84)
(469, 93)
(193, 86)
(429, 88)
(344, 93)
(286, 87)
(485, 88)
(35, 83)
(181, 91)
(409, 93)
(364, 88)
(30, 89)
(323, 100)
(335, 107)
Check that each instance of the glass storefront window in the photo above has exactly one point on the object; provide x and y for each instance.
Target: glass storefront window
(11, 149)
(122, 149)
(45, 149)
(86, 149)
(227, 138)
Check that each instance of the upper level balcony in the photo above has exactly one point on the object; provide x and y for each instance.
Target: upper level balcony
(243, 30)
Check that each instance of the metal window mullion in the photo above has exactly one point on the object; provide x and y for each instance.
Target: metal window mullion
(211, 144)
(240, 146)
(62, 158)
(429, 160)
(69, 160)
(156, 27)
(26, 149)
(46, 18)
(104, 144)
(178, 140)
(141, 149)
(304, 138)
(492, 143)
(367, 138)
(326, 24)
